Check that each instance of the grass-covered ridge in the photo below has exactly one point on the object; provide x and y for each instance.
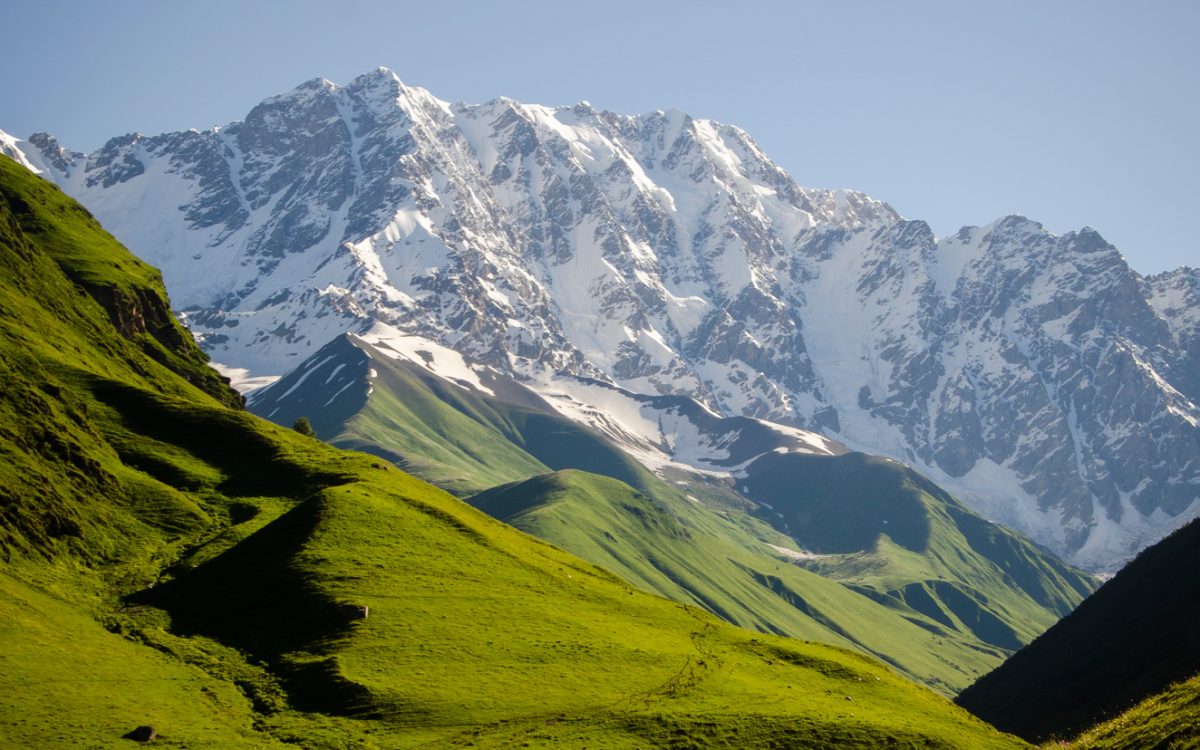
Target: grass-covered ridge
(943, 596)
(169, 560)
(890, 533)
(662, 541)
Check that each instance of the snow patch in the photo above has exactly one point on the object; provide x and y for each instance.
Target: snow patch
(242, 379)
(22, 152)
(796, 555)
(437, 359)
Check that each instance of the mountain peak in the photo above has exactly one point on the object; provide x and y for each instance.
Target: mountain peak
(1016, 222)
(316, 83)
(380, 76)
(314, 89)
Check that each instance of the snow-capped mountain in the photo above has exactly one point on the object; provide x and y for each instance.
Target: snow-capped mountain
(1036, 375)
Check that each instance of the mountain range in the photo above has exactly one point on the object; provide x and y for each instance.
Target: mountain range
(1037, 377)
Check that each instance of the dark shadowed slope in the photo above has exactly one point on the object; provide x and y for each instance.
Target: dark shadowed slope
(1131, 639)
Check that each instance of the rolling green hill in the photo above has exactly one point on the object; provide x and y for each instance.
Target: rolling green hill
(942, 611)
(167, 559)
(891, 534)
(722, 562)
(1127, 642)
(459, 439)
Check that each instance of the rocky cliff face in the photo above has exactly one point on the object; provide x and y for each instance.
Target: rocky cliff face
(1029, 371)
(1037, 375)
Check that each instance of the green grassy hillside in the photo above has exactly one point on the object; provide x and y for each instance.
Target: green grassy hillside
(1127, 642)
(460, 440)
(450, 447)
(170, 560)
(943, 611)
(662, 542)
(883, 529)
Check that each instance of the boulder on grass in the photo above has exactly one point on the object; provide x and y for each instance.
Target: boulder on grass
(144, 733)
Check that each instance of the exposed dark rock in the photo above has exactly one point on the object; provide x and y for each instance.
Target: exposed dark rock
(144, 733)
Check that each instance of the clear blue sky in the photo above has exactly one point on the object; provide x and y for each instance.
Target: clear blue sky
(1071, 113)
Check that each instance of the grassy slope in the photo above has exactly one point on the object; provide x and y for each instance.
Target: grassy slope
(168, 560)
(68, 682)
(465, 442)
(437, 442)
(643, 529)
(889, 532)
(1169, 720)
(943, 615)
(455, 438)
(976, 591)
(1131, 639)
(76, 522)
(666, 544)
